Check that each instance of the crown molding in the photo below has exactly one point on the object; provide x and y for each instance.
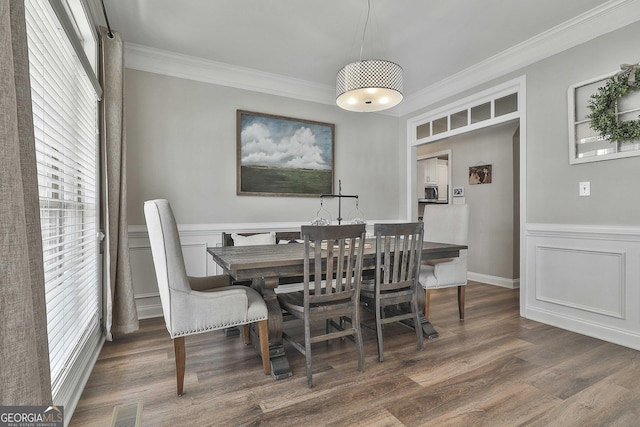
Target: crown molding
(603, 19)
(159, 61)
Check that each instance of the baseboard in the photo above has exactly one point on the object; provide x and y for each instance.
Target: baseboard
(494, 280)
(596, 330)
(150, 311)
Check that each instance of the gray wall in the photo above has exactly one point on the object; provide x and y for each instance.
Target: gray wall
(181, 137)
(578, 272)
(552, 183)
(182, 146)
(491, 225)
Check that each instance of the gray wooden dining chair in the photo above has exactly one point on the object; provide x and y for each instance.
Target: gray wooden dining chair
(393, 294)
(332, 279)
(194, 305)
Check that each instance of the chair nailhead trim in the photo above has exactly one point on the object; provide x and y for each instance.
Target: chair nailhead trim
(217, 327)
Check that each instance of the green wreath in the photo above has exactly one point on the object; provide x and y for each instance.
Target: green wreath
(602, 104)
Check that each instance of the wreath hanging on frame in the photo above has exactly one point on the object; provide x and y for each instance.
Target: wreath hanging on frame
(603, 106)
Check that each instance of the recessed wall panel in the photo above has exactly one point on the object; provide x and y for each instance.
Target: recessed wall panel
(581, 279)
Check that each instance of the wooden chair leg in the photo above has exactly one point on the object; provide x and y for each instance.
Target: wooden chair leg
(178, 348)
(245, 334)
(461, 292)
(359, 346)
(263, 331)
(426, 304)
(379, 312)
(307, 349)
(416, 319)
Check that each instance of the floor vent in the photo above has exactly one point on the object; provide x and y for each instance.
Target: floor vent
(127, 415)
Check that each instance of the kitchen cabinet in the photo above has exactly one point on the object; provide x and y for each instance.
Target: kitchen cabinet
(442, 178)
(433, 171)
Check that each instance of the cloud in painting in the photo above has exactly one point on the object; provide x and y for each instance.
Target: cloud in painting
(285, 147)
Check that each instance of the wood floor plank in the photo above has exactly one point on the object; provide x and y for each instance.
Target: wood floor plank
(492, 369)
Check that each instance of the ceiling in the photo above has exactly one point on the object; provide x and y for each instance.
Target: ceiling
(310, 41)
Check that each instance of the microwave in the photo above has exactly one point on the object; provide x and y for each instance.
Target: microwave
(431, 192)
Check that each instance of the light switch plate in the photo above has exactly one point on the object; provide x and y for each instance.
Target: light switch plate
(585, 188)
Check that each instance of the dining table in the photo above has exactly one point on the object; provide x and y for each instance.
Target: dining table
(270, 266)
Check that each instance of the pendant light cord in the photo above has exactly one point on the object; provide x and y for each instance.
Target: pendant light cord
(104, 12)
(364, 32)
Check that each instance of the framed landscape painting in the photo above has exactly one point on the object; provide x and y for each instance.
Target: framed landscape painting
(283, 156)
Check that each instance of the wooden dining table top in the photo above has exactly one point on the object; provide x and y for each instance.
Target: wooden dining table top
(286, 260)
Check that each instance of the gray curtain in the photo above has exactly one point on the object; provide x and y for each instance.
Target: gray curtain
(25, 378)
(120, 309)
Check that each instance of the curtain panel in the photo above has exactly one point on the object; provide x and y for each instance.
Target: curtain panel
(25, 378)
(120, 310)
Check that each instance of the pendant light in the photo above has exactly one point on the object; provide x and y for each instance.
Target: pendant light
(369, 85)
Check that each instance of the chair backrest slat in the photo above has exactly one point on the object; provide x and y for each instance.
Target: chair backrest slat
(398, 254)
(334, 252)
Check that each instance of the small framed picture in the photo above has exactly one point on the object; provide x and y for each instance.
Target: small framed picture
(458, 192)
(480, 174)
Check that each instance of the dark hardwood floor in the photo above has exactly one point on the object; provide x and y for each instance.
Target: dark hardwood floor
(492, 369)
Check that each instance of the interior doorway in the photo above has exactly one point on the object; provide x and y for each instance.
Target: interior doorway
(433, 171)
(494, 220)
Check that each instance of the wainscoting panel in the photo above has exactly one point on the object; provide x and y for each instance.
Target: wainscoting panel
(585, 279)
(195, 240)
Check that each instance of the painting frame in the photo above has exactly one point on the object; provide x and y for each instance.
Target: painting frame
(480, 174)
(283, 156)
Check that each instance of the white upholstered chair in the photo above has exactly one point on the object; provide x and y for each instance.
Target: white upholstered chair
(194, 305)
(445, 224)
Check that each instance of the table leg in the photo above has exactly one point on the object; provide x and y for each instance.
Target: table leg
(279, 364)
(428, 331)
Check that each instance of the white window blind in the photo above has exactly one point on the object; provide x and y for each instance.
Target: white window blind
(65, 109)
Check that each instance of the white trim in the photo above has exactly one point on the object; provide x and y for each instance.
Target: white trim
(159, 61)
(150, 309)
(581, 326)
(70, 392)
(499, 90)
(605, 18)
(560, 252)
(585, 315)
(502, 282)
(580, 231)
(600, 20)
(140, 231)
(517, 85)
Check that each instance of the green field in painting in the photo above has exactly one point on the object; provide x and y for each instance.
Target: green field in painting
(284, 181)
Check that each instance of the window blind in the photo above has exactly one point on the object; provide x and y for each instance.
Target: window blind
(65, 113)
